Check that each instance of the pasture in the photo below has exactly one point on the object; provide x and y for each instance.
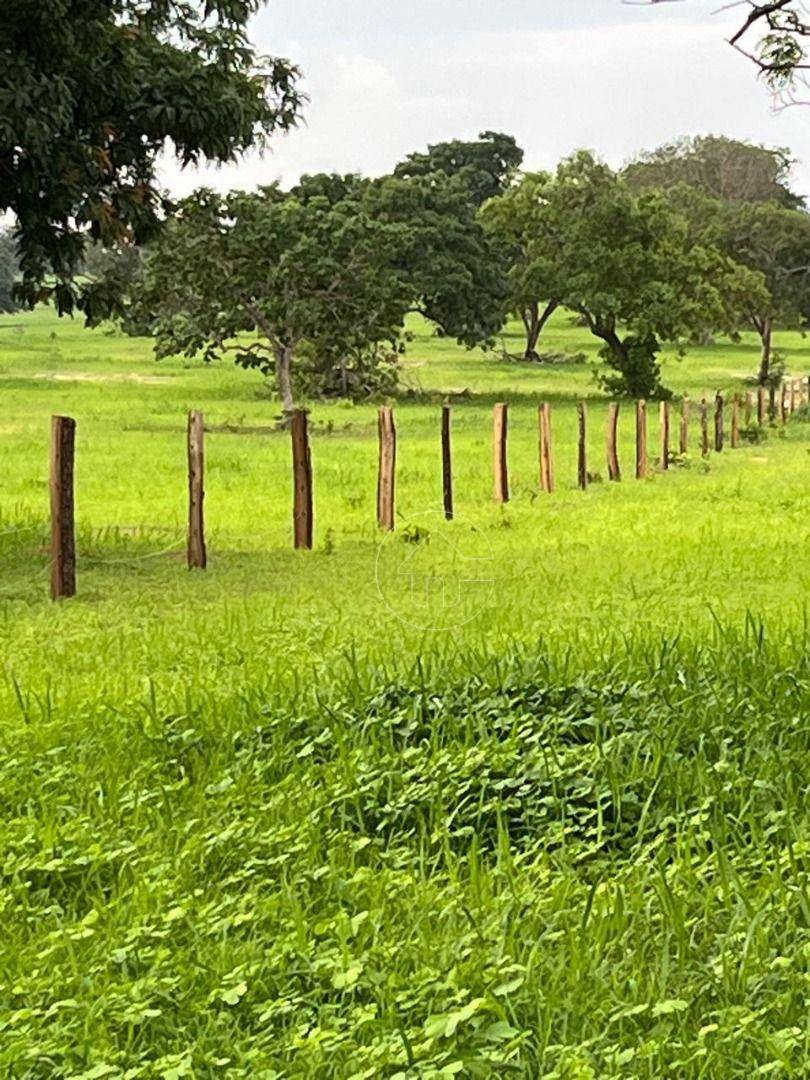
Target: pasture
(265, 822)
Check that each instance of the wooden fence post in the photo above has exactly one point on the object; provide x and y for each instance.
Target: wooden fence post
(447, 463)
(761, 406)
(386, 479)
(196, 556)
(641, 439)
(784, 403)
(582, 456)
(735, 422)
(793, 403)
(500, 468)
(719, 422)
(749, 407)
(614, 471)
(664, 414)
(63, 528)
(684, 443)
(302, 481)
(704, 427)
(546, 452)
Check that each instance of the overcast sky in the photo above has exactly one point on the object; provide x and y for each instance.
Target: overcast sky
(386, 77)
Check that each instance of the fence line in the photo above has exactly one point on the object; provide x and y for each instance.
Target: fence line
(793, 395)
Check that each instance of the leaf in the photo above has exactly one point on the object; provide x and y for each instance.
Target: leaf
(460, 1016)
(341, 980)
(500, 1031)
(234, 994)
(673, 1005)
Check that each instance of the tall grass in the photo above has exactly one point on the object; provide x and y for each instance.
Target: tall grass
(264, 822)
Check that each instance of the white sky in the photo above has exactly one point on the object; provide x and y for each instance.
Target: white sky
(386, 77)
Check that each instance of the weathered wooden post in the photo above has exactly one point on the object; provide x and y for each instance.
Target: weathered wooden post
(641, 439)
(63, 527)
(664, 414)
(735, 422)
(447, 463)
(612, 439)
(793, 401)
(500, 467)
(386, 482)
(684, 443)
(302, 481)
(719, 422)
(749, 407)
(196, 556)
(582, 456)
(704, 427)
(784, 403)
(546, 452)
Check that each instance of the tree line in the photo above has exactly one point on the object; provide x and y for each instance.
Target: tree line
(313, 285)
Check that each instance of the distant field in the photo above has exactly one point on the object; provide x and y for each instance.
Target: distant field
(264, 822)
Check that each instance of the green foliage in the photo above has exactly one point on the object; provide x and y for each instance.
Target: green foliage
(752, 216)
(113, 278)
(297, 272)
(90, 94)
(730, 170)
(517, 221)
(8, 271)
(325, 275)
(525, 870)
(625, 261)
(256, 825)
(485, 166)
(457, 272)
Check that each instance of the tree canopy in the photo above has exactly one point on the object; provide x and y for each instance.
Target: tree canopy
(724, 168)
(272, 277)
(737, 197)
(313, 285)
(626, 262)
(456, 272)
(91, 91)
(518, 222)
(769, 239)
(485, 165)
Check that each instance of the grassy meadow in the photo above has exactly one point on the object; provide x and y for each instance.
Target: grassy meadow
(294, 817)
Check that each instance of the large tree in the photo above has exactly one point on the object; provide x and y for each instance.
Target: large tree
(625, 260)
(485, 165)
(456, 271)
(771, 240)
(736, 197)
(724, 168)
(274, 278)
(518, 220)
(91, 91)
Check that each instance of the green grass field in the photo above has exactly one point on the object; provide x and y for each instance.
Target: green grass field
(293, 818)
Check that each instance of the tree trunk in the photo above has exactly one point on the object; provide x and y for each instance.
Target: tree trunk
(531, 320)
(284, 378)
(534, 321)
(765, 327)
